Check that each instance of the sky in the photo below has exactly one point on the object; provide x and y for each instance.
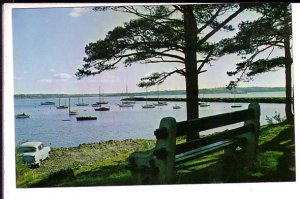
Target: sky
(49, 43)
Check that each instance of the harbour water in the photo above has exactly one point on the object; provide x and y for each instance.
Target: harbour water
(56, 128)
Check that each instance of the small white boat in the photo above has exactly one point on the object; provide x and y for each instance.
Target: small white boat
(72, 112)
(148, 106)
(161, 103)
(125, 105)
(128, 102)
(23, 115)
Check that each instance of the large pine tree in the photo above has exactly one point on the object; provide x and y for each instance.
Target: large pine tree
(272, 30)
(163, 34)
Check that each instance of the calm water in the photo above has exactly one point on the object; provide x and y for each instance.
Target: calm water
(46, 122)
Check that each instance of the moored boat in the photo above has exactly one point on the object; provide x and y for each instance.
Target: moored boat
(123, 105)
(23, 115)
(61, 106)
(161, 103)
(204, 104)
(103, 108)
(86, 118)
(176, 107)
(148, 106)
(48, 103)
(236, 106)
(72, 112)
(81, 103)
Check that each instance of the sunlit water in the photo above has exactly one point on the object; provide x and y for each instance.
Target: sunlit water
(46, 122)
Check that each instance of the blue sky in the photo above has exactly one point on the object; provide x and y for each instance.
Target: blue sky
(48, 47)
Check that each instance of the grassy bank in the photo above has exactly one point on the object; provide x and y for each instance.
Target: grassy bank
(105, 164)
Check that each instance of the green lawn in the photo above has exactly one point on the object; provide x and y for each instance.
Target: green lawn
(275, 163)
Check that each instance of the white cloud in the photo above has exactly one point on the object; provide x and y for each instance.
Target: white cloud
(45, 80)
(62, 76)
(77, 12)
(52, 70)
(18, 78)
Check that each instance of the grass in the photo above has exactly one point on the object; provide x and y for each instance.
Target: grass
(104, 164)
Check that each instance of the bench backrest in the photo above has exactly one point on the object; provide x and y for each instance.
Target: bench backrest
(162, 158)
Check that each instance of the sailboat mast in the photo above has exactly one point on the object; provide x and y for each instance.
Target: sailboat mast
(102, 96)
(158, 92)
(69, 105)
(99, 94)
(146, 95)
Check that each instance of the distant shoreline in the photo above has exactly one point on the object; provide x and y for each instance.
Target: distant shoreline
(221, 90)
(275, 100)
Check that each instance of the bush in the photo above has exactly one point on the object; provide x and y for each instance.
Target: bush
(277, 118)
(21, 168)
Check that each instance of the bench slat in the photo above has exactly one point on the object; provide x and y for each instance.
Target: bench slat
(215, 121)
(193, 154)
(181, 148)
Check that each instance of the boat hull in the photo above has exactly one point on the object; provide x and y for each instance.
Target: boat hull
(86, 118)
(102, 109)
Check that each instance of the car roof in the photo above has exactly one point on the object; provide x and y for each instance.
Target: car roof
(30, 144)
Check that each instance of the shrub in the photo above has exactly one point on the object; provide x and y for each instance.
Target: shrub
(277, 118)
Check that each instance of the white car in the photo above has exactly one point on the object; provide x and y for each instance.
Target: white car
(33, 153)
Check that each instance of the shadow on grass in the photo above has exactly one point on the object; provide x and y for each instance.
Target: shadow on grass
(100, 176)
(282, 150)
(275, 163)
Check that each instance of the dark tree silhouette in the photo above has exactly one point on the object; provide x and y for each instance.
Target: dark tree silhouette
(175, 34)
(272, 30)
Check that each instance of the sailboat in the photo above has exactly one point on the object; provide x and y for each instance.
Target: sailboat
(98, 104)
(102, 108)
(72, 112)
(23, 115)
(176, 106)
(159, 103)
(81, 104)
(147, 105)
(48, 103)
(235, 105)
(126, 103)
(61, 106)
(203, 104)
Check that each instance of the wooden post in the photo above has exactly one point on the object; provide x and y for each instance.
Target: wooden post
(142, 168)
(251, 145)
(164, 152)
(156, 166)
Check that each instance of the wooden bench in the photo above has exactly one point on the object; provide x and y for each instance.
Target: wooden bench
(157, 166)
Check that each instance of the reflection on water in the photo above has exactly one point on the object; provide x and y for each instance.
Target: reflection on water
(46, 122)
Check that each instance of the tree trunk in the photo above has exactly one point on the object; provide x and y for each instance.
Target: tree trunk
(288, 80)
(191, 78)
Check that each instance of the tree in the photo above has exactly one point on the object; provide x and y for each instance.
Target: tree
(175, 34)
(272, 30)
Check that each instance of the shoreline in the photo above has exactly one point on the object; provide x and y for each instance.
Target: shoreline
(275, 100)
